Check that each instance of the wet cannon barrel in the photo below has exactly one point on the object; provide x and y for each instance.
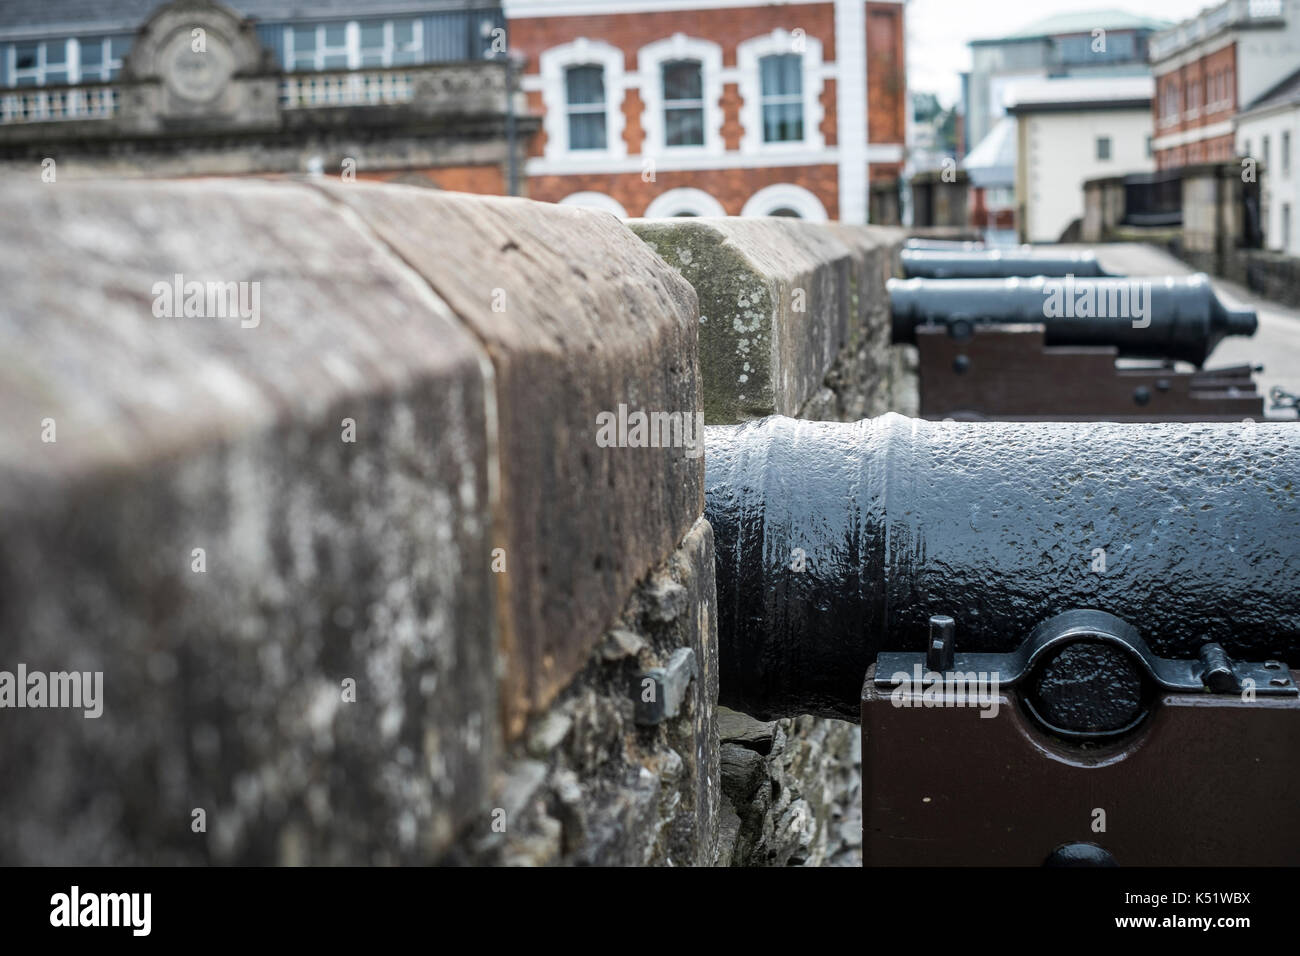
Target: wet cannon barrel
(838, 541)
(1174, 318)
(996, 263)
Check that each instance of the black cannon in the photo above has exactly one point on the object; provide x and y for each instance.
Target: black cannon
(1170, 318)
(836, 541)
(1127, 591)
(997, 263)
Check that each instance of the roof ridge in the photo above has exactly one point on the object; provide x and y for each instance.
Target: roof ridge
(1274, 90)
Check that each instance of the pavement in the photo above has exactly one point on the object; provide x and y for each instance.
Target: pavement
(1276, 345)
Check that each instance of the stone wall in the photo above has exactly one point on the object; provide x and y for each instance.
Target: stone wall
(1212, 236)
(363, 581)
(794, 321)
(1274, 275)
(941, 198)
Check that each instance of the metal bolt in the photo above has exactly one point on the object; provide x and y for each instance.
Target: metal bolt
(1218, 674)
(670, 683)
(939, 652)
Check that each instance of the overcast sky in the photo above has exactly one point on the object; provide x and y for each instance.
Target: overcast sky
(938, 31)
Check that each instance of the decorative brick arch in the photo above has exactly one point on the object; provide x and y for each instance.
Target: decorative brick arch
(594, 200)
(785, 196)
(684, 201)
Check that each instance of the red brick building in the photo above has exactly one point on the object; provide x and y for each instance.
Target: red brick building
(1208, 67)
(713, 107)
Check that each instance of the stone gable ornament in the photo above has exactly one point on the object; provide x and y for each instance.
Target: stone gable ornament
(196, 65)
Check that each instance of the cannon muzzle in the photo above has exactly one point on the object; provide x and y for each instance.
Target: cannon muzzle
(1169, 318)
(837, 541)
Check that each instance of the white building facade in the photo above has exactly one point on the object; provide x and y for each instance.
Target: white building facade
(1072, 130)
(1268, 131)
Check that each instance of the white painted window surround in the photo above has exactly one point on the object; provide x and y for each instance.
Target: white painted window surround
(684, 201)
(780, 196)
(595, 200)
(552, 65)
(650, 61)
(354, 44)
(748, 54)
(57, 62)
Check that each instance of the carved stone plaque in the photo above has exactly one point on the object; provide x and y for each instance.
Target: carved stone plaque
(197, 67)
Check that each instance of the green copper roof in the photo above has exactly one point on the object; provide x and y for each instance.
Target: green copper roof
(1084, 21)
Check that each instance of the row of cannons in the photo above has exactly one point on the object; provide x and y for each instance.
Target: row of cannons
(1024, 334)
(1072, 591)
(330, 568)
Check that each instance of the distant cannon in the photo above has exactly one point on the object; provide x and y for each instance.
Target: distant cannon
(943, 244)
(925, 263)
(1168, 318)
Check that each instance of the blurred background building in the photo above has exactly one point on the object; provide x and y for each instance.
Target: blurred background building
(1269, 128)
(1087, 43)
(1210, 67)
(642, 107)
(1068, 131)
(1028, 86)
(397, 88)
(713, 107)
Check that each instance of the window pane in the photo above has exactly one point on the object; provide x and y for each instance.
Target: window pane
(406, 57)
(92, 52)
(684, 127)
(336, 34)
(25, 56)
(486, 25)
(336, 61)
(682, 80)
(585, 84)
(403, 32)
(58, 76)
(372, 35)
(587, 131)
(119, 46)
(782, 74)
(304, 40)
(56, 52)
(783, 123)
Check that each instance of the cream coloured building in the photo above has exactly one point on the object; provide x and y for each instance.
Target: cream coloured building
(1268, 131)
(1071, 130)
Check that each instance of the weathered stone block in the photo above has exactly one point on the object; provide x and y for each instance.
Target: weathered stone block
(411, 403)
(580, 321)
(780, 301)
(612, 792)
(130, 440)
